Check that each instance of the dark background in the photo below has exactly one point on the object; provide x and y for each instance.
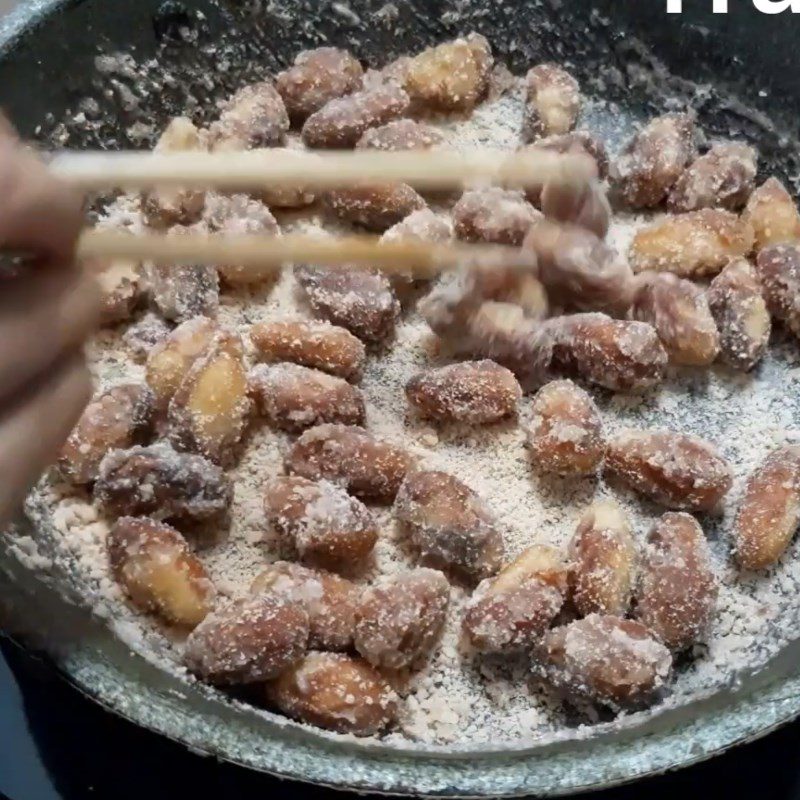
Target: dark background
(54, 743)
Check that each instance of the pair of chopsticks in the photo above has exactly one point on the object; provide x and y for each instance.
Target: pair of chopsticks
(258, 169)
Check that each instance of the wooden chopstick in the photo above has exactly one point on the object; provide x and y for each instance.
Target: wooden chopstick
(254, 169)
(259, 255)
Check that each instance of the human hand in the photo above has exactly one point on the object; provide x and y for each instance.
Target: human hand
(47, 309)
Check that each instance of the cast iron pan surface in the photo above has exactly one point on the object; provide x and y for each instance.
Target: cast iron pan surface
(734, 71)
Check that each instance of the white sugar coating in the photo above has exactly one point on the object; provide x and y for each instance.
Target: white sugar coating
(456, 697)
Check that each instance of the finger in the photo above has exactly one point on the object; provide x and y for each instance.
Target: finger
(43, 314)
(38, 213)
(34, 428)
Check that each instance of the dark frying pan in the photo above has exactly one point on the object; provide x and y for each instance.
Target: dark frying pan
(735, 70)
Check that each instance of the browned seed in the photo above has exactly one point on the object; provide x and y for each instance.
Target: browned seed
(498, 216)
(234, 215)
(677, 470)
(295, 398)
(114, 419)
(778, 269)
(400, 134)
(399, 618)
(722, 178)
(155, 567)
(285, 196)
(621, 355)
(312, 344)
(120, 282)
(357, 299)
(340, 123)
(248, 641)
(182, 291)
(566, 433)
(326, 526)
(449, 525)
(329, 599)
(144, 335)
(679, 312)
(254, 116)
(578, 269)
(552, 102)
(769, 510)
(677, 592)
(693, 244)
(170, 360)
(475, 392)
(374, 207)
(453, 76)
(606, 659)
(162, 207)
(347, 455)
(602, 561)
(513, 610)
(585, 206)
(655, 159)
(738, 307)
(772, 214)
(336, 692)
(159, 482)
(316, 77)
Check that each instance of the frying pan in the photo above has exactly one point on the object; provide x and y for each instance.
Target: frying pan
(59, 86)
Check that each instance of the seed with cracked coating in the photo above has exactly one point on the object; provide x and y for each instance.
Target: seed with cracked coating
(498, 216)
(248, 641)
(565, 435)
(316, 77)
(513, 610)
(655, 159)
(778, 269)
(621, 355)
(336, 692)
(578, 269)
(452, 76)
(116, 418)
(161, 207)
(772, 214)
(340, 123)
(693, 244)
(722, 178)
(120, 282)
(318, 345)
(769, 510)
(741, 315)
(357, 299)
(673, 469)
(170, 360)
(607, 660)
(677, 593)
(552, 102)
(400, 617)
(255, 116)
(585, 205)
(326, 526)
(145, 335)
(329, 599)
(347, 455)
(602, 557)
(475, 392)
(679, 312)
(287, 195)
(159, 573)
(294, 398)
(449, 524)
(159, 482)
(208, 412)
